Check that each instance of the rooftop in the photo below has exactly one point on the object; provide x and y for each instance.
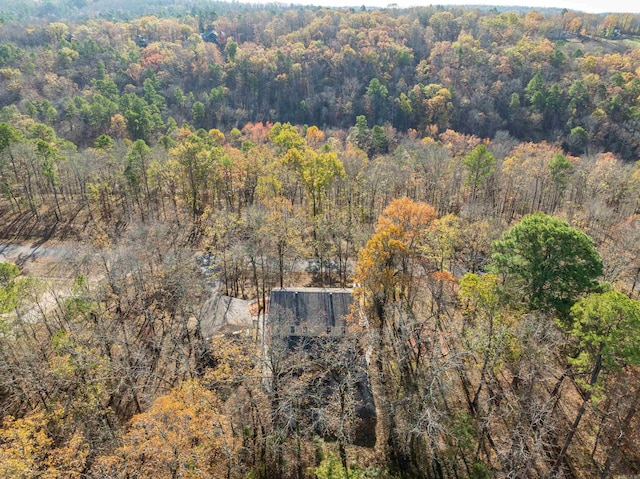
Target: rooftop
(309, 311)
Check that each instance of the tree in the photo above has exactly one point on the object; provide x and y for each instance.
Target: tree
(377, 95)
(103, 142)
(11, 287)
(386, 273)
(31, 447)
(578, 140)
(199, 114)
(196, 162)
(152, 96)
(480, 164)
(50, 155)
(231, 49)
(283, 231)
(379, 141)
(9, 136)
(184, 434)
(385, 264)
(361, 134)
(536, 93)
(135, 171)
(141, 118)
(606, 331)
(561, 168)
(546, 263)
(286, 137)
(316, 171)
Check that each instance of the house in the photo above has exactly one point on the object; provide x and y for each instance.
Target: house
(314, 320)
(309, 312)
(141, 41)
(210, 36)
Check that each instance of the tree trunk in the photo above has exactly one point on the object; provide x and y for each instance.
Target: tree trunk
(614, 452)
(380, 400)
(581, 411)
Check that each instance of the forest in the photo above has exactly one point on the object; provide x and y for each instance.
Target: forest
(470, 173)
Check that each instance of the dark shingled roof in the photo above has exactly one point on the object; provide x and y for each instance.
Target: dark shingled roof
(309, 311)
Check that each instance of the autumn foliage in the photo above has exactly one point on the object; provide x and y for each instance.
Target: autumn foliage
(468, 172)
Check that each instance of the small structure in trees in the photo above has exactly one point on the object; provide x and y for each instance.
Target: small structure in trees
(309, 312)
(141, 41)
(210, 35)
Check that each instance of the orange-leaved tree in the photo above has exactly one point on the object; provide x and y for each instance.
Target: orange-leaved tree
(183, 435)
(385, 267)
(387, 275)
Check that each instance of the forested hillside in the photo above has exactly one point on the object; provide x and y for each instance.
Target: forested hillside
(471, 173)
(566, 77)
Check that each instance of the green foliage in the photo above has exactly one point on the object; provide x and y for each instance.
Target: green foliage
(179, 96)
(231, 49)
(286, 136)
(362, 135)
(217, 95)
(50, 157)
(479, 292)
(40, 131)
(557, 58)
(409, 75)
(546, 263)
(141, 118)
(606, 328)
(107, 88)
(11, 288)
(554, 100)
(47, 112)
(135, 163)
(8, 135)
(536, 93)
(331, 468)
(167, 142)
(316, 171)
(480, 164)
(379, 141)
(8, 272)
(151, 87)
(463, 431)
(196, 162)
(578, 95)
(377, 90)
(104, 142)
(171, 125)
(514, 102)
(479, 470)
(561, 168)
(198, 113)
(10, 54)
(436, 83)
(578, 140)
(99, 110)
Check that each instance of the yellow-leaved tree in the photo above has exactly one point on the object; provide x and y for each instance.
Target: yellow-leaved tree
(183, 435)
(36, 446)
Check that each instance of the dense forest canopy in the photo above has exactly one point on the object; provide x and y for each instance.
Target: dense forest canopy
(565, 77)
(470, 172)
